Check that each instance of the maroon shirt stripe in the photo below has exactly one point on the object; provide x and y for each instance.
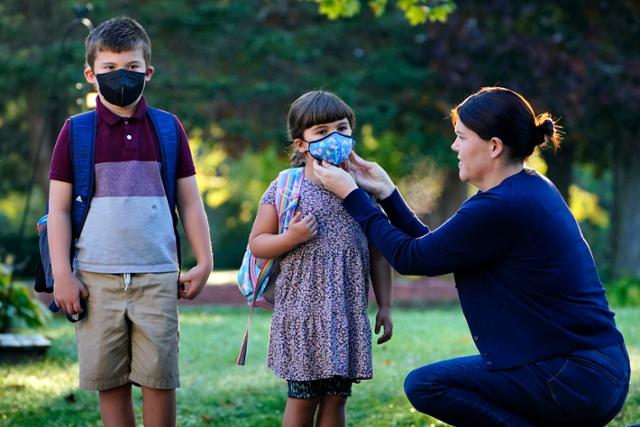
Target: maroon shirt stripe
(128, 179)
(120, 139)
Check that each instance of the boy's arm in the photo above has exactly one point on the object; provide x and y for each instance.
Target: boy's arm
(196, 227)
(264, 240)
(67, 290)
(381, 283)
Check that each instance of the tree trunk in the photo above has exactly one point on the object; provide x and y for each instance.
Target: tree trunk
(560, 168)
(625, 224)
(42, 137)
(43, 26)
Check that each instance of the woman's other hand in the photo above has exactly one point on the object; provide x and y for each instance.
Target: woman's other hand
(334, 179)
(370, 176)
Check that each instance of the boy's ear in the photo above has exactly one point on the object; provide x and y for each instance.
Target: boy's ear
(149, 73)
(89, 75)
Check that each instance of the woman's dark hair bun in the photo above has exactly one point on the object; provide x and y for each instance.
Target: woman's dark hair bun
(547, 127)
(546, 132)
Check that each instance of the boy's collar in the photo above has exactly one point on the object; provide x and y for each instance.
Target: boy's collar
(112, 118)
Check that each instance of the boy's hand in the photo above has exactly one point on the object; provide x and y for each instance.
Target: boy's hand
(302, 229)
(191, 283)
(383, 319)
(67, 293)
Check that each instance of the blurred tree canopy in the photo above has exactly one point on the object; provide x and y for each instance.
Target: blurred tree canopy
(416, 11)
(231, 69)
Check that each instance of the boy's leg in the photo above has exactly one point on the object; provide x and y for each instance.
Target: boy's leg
(103, 348)
(103, 335)
(116, 407)
(158, 407)
(153, 312)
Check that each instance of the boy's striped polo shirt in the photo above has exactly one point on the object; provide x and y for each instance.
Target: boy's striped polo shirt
(129, 226)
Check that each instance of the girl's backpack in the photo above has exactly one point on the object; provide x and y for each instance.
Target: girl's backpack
(257, 276)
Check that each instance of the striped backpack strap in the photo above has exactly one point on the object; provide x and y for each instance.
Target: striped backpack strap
(288, 195)
(82, 147)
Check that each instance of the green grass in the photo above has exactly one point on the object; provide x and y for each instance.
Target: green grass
(215, 392)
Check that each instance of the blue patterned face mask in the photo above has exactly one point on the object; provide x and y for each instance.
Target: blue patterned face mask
(334, 148)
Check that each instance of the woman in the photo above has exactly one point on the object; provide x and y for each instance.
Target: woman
(550, 353)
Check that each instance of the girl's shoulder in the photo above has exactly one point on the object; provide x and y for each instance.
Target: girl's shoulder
(290, 174)
(289, 181)
(268, 197)
(284, 188)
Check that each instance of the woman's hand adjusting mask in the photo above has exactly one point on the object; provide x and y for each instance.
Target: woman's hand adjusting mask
(370, 176)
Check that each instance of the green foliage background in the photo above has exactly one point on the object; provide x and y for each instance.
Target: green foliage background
(231, 69)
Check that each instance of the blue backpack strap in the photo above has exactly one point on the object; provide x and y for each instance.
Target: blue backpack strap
(82, 147)
(166, 129)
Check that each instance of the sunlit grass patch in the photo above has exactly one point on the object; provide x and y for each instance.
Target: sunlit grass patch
(216, 392)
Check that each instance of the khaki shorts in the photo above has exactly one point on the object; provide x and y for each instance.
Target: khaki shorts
(130, 334)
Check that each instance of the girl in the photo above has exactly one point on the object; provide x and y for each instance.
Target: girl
(320, 339)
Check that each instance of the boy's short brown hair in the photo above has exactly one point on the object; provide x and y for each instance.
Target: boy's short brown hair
(117, 35)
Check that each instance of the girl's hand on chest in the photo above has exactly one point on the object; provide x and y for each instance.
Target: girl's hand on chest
(302, 229)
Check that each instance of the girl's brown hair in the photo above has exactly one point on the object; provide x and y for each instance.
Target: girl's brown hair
(314, 108)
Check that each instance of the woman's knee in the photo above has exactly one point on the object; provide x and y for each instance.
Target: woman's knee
(421, 387)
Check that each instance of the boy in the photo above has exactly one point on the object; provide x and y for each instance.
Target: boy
(126, 263)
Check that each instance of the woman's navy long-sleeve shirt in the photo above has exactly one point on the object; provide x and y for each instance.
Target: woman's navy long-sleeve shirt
(526, 278)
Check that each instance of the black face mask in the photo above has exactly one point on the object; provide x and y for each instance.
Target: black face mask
(121, 87)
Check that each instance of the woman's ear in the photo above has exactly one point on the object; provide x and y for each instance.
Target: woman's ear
(300, 145)
(497, 147)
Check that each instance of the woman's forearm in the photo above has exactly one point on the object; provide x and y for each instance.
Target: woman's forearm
(406, 254)
(401, 215)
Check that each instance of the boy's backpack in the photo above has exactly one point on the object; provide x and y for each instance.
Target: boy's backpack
(257, 276)
(82, 149)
